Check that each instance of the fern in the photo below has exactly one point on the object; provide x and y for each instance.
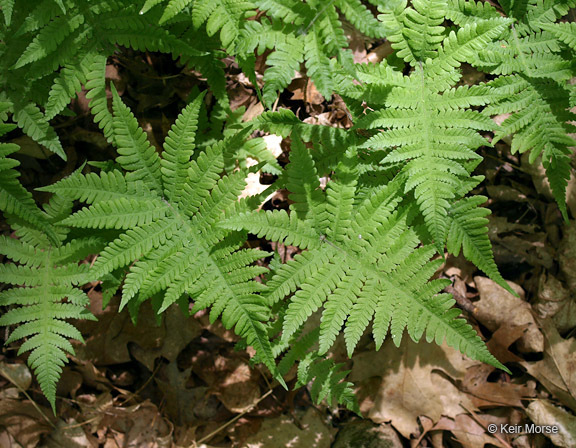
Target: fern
(168, 206)
(361, 264)
(49, 275)
(48, 43)
(534, 58)
(428, 127)
(15, 200)
(47, 269)
(308, 32)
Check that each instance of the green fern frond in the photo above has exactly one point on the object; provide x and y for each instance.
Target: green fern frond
(36, 126)
(433, 135)
(360, 16)
(416, 32)
(7, 7)
(564, 32)
(531, 54)
(96, 87)
(178, 150)
(224, 16)
(15, 200)
(137, 155)
(172, 9)
(468, 230)
(167, 207)
(67, 84)
(465, 12)
(540, 121)
(49, 38)
(367, 269)
(46, 273)
(41, 313)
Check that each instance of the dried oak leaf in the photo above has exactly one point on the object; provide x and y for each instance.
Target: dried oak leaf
(398, 385)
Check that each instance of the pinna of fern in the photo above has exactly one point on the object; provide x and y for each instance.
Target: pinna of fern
(167, 207)
(360, 263)
(45, 272)
(534, 58)
(428, 129)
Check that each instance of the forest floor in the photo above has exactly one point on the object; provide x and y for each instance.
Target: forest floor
(181, 383)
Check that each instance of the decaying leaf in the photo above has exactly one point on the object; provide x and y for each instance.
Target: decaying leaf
(498, 307)
(467, 431)
(494, 394)
(17, 374)
(555, 302)
(311, 432)
(399, 385)
(557, 371)
(544, 413)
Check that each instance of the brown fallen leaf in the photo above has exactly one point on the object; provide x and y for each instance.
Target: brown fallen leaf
(557, 371)
(398, 385)
(544, 413)
(467, 431)
(23, 421)
(112, 335)
(502, 339)
(140, 425)
(239, 389)
(498, 307)
(17, 374)
(282, 432)
(68, 434)
(555, 302)
(517, 243)
(305, 90)
(181, 400)
(494, 394)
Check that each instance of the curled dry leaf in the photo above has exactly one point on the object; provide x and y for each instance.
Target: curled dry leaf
(498, 307)
(182, 402)
(23, 422)
(112, 334)
(502, 339)
(519, 243)
(494, 394)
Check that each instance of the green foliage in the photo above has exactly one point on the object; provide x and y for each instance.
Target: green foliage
(362, 264)
(56, 44)
(168, 205)
(170, 225)
(534, 57)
